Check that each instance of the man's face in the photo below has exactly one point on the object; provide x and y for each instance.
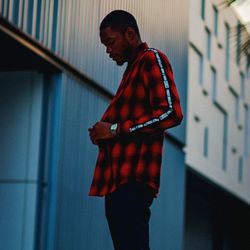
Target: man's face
(117, 46)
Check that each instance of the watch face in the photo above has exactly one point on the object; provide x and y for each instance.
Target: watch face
(113, 128)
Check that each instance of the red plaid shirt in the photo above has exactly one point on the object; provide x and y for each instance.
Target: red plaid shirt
(146, 103)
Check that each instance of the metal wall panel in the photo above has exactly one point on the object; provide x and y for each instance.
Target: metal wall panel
(17, 215)
(167, 221)
(78, 216)
(41, 22)
(75, 35)
(46, 23)
(20, 126)
(20, 14)
(5, 8)
(20, 111)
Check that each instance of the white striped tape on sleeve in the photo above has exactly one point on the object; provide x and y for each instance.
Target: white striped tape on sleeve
(169, 100)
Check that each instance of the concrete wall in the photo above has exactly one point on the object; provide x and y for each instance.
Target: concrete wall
(216, 105)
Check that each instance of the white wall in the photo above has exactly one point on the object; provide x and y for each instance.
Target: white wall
(209, 113)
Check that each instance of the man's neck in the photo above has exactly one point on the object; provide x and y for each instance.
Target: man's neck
(134, 51)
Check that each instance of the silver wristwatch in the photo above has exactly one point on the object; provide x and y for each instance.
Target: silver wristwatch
(113, 128)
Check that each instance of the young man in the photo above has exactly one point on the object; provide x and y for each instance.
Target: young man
(130, 133)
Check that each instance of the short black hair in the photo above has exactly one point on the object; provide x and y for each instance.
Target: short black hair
(119, 20)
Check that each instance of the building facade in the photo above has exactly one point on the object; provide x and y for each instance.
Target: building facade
(219, 98)
(56, 81)
(217, 146)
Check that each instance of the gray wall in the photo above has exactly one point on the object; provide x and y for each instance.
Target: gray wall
(167, 221)
(20, 112)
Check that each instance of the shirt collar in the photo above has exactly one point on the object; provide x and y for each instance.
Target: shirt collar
(138, 51)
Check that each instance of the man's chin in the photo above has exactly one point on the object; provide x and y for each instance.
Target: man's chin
(119, 63)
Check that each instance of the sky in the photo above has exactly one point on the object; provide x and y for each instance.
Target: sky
(243, 9)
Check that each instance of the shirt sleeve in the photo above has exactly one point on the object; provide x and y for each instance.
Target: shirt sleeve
(164, 109)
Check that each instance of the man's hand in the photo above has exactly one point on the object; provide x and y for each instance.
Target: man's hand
(99, 132)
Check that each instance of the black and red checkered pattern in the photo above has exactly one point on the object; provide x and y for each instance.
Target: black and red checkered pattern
(146, 103)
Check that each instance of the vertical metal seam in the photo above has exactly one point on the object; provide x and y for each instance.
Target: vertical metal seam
(54, 159)
(34, 27)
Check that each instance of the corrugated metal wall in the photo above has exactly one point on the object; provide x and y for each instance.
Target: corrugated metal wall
(79, 219)
(70, 29)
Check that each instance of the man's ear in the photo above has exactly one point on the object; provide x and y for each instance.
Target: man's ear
(130, 34)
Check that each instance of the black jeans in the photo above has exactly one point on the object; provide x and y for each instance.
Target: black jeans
(127, 212)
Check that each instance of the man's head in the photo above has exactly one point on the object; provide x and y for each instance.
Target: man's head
(120, 34)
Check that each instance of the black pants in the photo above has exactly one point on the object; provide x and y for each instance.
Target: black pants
(127, 212)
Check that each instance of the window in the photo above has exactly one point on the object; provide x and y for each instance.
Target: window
(236, 105)
(240, 171)
(215, 10)
(208, 34)
(238, 43)
(237, 108)
(242, 85)
(247, 71)
(214, 83)
(205, 146)
(225, 125)
(201, 65)
(203, 9)
(227, 51)
(246, 131)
